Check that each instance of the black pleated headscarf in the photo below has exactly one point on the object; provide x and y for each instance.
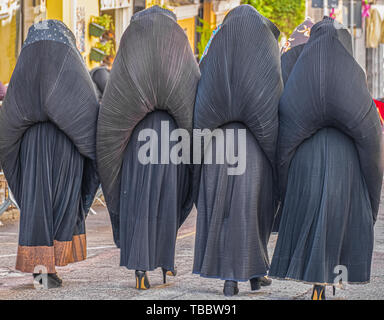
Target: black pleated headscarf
(334, 86)
(154, 69)
(247, 87)
(290, 53)
(50, 83)
(100, 76)
(240, 87)
(330, 164)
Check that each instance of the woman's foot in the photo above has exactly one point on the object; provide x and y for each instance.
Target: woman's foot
(169, 273)
(258, 282)
(265, 281)
(318, 292)
(142, 282)
(230, 288)
(47, 281)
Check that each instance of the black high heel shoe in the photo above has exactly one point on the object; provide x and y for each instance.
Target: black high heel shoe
(168, 272)
(230, 288)
(52, 280)
(318, 292)
(142, 282)
(257, 283)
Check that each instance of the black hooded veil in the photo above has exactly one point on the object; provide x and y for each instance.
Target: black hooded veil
(48, 147)
(330, 164)
(153, 82)
(290, 53)
(100, 76)
(240, 87)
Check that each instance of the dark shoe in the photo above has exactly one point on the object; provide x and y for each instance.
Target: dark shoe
(230, 288)
(169, 273)
(47, 281)
(142, 282)
(265, 281)
(255, 284)
(318, 292)
(55, 277)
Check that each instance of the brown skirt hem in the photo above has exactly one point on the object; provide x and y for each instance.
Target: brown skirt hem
(43, 259)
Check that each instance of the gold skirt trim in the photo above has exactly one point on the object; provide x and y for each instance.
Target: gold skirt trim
(60, 254)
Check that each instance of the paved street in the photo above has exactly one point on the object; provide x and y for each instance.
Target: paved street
(100, 277)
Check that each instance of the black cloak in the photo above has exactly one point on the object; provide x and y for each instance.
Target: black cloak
(290, 52)
(153, 79)
(330, 163)
(240, 87)
(48, 146)
(100, 76)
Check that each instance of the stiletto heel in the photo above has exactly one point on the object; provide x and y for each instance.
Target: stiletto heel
(169, 273)
(142, 282)
(230, 288)
(318, 292)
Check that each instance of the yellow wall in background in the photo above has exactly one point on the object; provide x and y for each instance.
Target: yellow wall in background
(8, 36)
(188, 25)
(209, 14)
(55, 9)
(91, 9)
(63, 10)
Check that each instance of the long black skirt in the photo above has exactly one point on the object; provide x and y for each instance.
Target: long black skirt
(327, 220)
(52, 221)
(154, 201)
(234, 216)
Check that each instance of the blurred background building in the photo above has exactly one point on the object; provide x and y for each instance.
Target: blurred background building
(365, 20)
(99, 24)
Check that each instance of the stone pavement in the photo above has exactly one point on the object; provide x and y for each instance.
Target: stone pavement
(100, 277)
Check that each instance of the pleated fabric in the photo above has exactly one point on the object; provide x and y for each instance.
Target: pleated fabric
(327, 216)
(328, 89)
(239, 88)
(330, 164)
(155, 199)
(47, 147)
(153, 82)
(100, 76)
(235, 215)
(290, 53)
(154, 69)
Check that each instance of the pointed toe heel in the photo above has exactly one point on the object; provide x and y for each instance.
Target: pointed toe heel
(265, 281)
(142, 282)
(230, 288)
(169, 273)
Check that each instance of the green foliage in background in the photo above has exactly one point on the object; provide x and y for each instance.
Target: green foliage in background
(285, 14)
(105, 20)
(205, 31)
(108, 47)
